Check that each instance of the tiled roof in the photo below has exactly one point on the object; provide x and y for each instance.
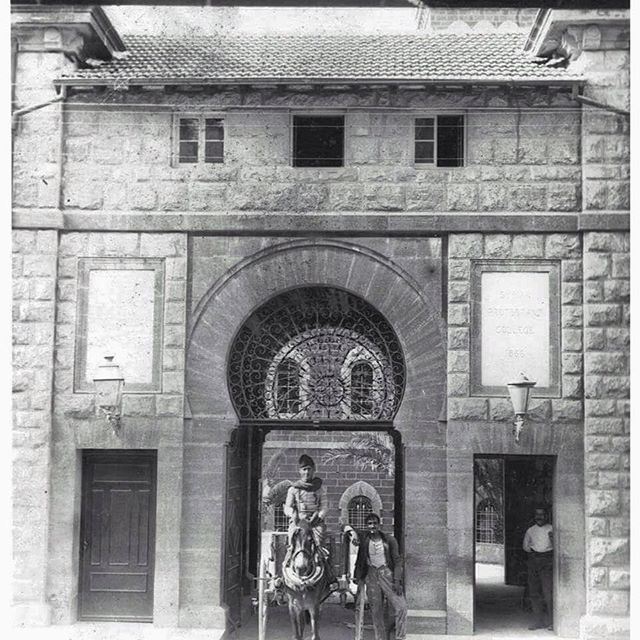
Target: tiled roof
(440, 57)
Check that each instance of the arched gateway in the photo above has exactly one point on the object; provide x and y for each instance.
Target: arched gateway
(317, 335)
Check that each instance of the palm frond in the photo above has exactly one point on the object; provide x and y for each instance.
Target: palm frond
(270, 469)
(277, 494)
(367, 451)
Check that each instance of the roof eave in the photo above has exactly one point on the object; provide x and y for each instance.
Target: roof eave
(99, 82)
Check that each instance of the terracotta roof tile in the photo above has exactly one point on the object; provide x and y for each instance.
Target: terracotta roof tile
(441, 57)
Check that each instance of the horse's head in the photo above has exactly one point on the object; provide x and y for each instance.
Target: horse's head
(303, 560)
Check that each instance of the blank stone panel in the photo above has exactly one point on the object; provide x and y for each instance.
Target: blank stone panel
(120, 312)
(120, 322)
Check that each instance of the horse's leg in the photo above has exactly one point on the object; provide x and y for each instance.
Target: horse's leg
(315, 620)
(294, 617)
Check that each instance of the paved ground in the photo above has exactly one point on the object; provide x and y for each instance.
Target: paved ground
(498, 615)
(336, 624)
(499, 611)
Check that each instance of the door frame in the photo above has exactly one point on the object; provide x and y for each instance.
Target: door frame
(465, 440)
(504, 457)
(88, 455)
(257, 431)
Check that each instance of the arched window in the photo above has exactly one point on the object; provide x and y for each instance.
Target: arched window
(359, 509)
(323, 332)
(361, 389)
(280, 520)
(488, 526)
(288, 387)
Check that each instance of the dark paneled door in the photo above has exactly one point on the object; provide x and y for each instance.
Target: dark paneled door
(527, 484)
(117, 541)
(237, 470)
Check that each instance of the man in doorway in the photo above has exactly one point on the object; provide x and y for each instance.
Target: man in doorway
(379, 565)
(307, 500)
(538, 543)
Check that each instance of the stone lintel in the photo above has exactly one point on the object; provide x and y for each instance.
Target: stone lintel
(330, 222)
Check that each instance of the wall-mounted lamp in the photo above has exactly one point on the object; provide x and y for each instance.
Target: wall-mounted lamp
(519, 393)
(109, 383)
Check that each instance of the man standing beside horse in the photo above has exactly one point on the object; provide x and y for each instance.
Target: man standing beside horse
(379, 565)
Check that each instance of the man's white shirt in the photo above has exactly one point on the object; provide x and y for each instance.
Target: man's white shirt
(538, 538)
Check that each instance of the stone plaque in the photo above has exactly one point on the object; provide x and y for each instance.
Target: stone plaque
(120, 322)
(516, 326)
(120, 303)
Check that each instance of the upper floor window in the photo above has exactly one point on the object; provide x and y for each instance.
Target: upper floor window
(288, 387)
(318, 141)
(439, 140)
(362, 389)
(200, 139)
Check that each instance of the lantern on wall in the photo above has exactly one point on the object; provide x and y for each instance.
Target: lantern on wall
(109, 383)
(519, 392)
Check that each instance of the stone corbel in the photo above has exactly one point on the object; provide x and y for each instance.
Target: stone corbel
(78, 33)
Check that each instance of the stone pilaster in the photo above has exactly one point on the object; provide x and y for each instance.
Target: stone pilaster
(607, 423)
(34, 287)
(605, 134)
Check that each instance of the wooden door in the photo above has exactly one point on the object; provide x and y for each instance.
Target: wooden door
(235, 526)
(117, 544)
(527, 484)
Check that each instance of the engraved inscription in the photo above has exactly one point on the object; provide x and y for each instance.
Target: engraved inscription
(515, 327)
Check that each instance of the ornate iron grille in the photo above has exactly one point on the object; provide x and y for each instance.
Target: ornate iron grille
(362, 389)
(345, 355)
(359, 508)
(287, 387)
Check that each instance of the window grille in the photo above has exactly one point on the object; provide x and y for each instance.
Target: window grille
(280, 520)
(362, 389)
(359, 508)
(488, 527)
(288, 387)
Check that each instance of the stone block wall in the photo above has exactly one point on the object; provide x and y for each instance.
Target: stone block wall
(483, 425)
(34, 309)
(565, 248)
(37, 142)
(149, 420)
(522, 158)
(605, 135)
(607, 434)
(447, 18)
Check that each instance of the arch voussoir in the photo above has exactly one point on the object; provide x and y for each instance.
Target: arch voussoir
(355, 269)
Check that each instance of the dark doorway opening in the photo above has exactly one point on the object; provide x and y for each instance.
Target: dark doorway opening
(507, 491)
(362, 469)
(117, 535)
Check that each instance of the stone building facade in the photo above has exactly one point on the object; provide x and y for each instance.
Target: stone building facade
(98, 186)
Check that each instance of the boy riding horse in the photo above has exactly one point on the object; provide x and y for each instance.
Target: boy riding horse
(307, 500)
